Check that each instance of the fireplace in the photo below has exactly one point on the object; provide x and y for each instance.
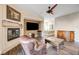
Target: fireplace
(13, 33)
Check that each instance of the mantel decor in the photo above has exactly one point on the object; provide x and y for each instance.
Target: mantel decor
(13, 14)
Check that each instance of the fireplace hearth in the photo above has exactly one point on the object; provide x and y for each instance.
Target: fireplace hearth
(13, 33)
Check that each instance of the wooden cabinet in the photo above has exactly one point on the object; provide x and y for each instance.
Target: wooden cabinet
(61, 34)
(71, 36)
(65, 36)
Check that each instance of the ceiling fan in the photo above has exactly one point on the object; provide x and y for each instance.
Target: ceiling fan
(50, 11)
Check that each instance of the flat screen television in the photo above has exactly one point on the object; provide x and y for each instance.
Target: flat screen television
(32, 26)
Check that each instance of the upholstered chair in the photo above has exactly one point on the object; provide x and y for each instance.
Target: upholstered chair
(28, 46)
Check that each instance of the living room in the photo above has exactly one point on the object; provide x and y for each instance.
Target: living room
(33, 21)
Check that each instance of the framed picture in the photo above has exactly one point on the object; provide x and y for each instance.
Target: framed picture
(13, 14)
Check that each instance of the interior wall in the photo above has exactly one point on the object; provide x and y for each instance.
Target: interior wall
(1, 29)
(68, 23)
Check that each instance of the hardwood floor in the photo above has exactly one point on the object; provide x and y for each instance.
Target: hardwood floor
(70, 48)
(14, 50)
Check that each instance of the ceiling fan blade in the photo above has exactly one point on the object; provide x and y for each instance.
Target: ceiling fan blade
(52, 13)
(53, 7)
(49, 11)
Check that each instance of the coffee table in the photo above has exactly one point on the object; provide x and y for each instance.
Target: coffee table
(55, 42)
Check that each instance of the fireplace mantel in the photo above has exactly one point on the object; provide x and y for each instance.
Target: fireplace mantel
(6, 23)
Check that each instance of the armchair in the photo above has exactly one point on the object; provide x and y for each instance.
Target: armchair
(28, 46)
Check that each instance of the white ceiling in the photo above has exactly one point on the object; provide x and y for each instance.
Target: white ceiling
(40, 9)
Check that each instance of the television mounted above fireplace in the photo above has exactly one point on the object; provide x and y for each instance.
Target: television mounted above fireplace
(13, 33)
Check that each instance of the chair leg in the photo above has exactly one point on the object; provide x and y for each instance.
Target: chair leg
(23, 52)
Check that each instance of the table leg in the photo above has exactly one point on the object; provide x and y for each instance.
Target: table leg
(57, 49)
